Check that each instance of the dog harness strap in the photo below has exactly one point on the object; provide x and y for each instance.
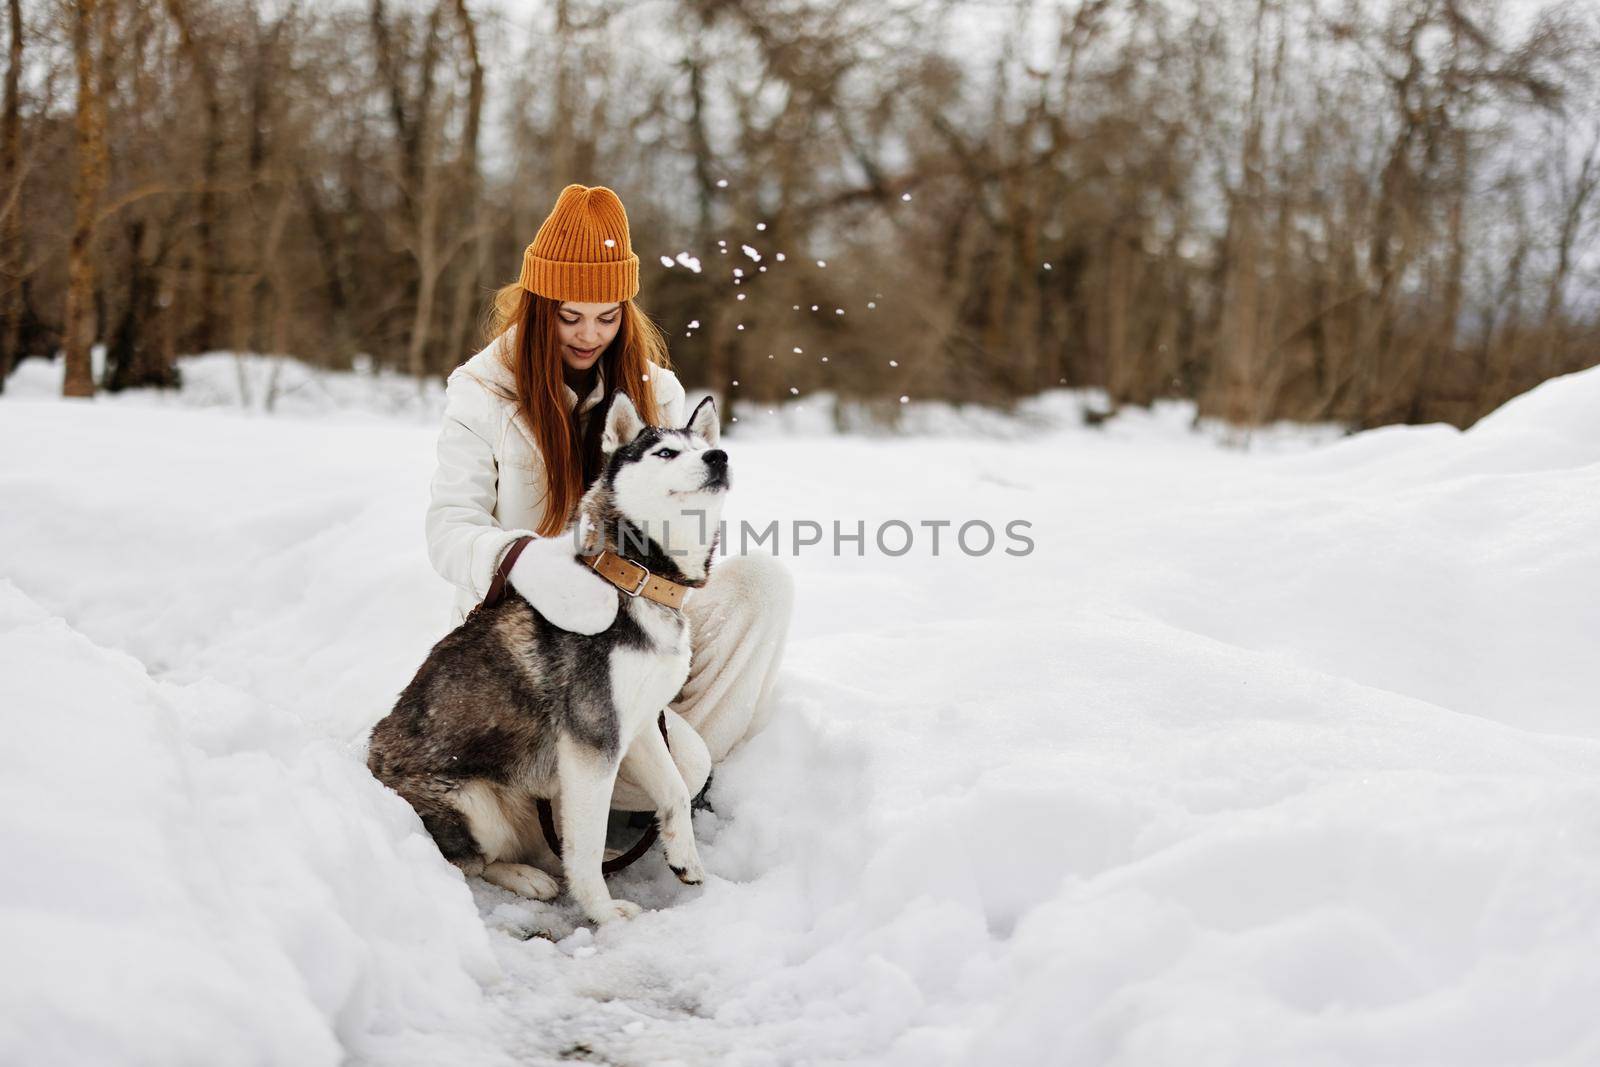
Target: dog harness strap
(497, 588)
(640, 847)
(547, 823)
(636, 580)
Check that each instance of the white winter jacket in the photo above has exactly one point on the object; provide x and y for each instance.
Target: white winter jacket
(489, 486)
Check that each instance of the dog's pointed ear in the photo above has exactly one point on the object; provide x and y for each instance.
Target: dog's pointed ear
(622, 424)
(704, 421)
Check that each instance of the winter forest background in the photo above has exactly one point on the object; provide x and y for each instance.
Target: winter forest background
(1353, 212)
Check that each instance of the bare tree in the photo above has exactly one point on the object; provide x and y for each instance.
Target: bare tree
(1275, 208)
(11, 247)
(88, 16)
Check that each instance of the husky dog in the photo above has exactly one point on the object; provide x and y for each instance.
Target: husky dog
(508, 708)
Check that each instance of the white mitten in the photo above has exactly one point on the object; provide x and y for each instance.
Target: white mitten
(563, 590)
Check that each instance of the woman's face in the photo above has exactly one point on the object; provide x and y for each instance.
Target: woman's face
(586, 330)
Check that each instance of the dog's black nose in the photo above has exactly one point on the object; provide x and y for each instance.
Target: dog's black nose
(716, 457)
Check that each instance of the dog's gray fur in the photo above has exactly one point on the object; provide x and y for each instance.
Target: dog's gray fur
(508, 707)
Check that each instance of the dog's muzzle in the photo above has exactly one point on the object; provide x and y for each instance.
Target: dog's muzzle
(716, 461)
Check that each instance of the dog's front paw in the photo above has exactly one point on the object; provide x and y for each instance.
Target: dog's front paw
(688, 869)
(677, 841)
(611, 910)
(523, 879)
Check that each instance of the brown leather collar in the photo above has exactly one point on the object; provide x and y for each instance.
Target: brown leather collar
(635, 580)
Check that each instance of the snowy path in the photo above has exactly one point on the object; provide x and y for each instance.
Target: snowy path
(1257, 758)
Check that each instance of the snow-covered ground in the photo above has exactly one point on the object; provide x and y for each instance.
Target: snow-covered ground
(1267, 756)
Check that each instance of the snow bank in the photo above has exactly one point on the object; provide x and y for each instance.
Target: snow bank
(1460, 568)
(185, 882)
(1285, 757)
(264, 384)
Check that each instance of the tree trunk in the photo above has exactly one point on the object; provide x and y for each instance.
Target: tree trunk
(459, 338)
(79, 317)
(428, 265)
(331, 255)
(207, 261)
(11, 251)
(133, 355)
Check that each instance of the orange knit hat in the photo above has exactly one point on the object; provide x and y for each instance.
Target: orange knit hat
(582, 253)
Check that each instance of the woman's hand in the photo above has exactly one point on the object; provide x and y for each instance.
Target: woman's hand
(568, 593)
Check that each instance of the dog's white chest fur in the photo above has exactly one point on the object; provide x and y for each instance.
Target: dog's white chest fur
(643, 681)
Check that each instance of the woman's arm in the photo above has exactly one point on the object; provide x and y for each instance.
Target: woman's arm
(465, 542)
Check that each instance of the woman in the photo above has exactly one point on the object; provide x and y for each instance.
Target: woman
(518, 448)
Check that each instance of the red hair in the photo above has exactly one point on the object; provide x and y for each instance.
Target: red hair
(572, 461)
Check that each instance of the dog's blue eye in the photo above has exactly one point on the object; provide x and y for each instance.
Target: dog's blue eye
(665, 453)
